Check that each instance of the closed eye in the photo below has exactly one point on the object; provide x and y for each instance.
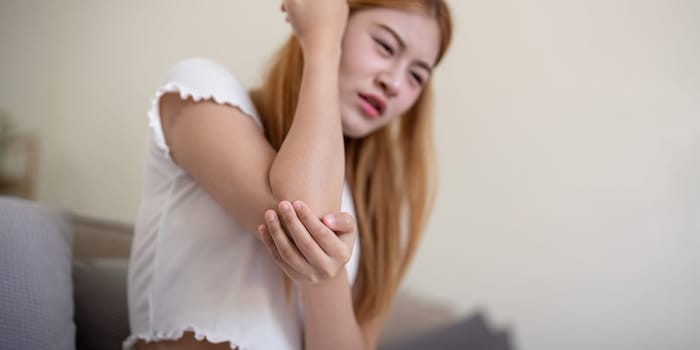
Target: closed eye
(385, 47)
(419, 79)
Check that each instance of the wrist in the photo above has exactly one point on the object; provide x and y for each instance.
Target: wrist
(326, 286)
(321, 54)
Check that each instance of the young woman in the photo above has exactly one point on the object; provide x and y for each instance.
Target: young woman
(285, 218)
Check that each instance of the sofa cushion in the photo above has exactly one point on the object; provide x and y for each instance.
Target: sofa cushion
(412, 314)
(36, 303)
(472, 332)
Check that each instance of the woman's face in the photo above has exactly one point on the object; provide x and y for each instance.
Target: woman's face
(387, 57)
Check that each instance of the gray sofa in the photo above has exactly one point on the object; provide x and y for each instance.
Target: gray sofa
(63, 286)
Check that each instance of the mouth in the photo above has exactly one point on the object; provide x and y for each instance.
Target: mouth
(373, 105)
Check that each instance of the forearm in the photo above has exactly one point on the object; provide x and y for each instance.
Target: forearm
(329, 319)
(310, 163)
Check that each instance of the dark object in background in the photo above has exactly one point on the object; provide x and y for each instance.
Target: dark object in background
(19, 164)
(101, 310)
(472, 332)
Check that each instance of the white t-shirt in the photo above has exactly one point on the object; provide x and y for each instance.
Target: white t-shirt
(193, 267)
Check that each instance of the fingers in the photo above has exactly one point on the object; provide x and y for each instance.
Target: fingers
(344, 226)
(340, 222)
(283, 8)
(301, 236)
(317, 22)
(324, 236)
(264, 236)
(285, 249)
(304, 247)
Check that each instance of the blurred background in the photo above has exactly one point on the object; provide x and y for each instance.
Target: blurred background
(568, 135)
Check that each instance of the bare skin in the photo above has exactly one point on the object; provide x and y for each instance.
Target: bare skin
(229, 156)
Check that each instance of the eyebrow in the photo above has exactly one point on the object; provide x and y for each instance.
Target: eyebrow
(402, 44)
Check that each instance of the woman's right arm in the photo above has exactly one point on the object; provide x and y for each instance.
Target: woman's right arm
(313, 150)
(227, 153)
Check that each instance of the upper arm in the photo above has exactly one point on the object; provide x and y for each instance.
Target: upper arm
(224, 150)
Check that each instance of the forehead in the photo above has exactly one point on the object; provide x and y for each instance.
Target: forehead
(419, 31)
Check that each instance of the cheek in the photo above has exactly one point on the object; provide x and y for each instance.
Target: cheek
(360, 60)
(354, 66)
(351, 56)
(406, 102)
(349, 69)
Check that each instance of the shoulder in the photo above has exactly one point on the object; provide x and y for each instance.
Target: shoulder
(203, 78)
(197, 79)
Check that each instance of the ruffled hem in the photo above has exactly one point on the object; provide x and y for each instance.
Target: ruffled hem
(199, 335)
(185, 93)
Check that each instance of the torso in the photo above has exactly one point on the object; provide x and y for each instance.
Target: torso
(193, 267)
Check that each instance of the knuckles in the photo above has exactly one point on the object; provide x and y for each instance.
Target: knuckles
(313, 279)
(306, 243)
(304, 213)
(287, 254)
(327, 273)
(284, 256)
(345, 256)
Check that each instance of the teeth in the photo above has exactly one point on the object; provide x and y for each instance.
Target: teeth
(374, 104)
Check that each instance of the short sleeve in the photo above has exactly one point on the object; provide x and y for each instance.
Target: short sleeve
(199, 79)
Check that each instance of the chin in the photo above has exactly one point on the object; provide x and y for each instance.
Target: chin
(354, 127)
(353, 133)
(359, 130)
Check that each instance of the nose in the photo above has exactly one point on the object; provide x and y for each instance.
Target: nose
(389, 82)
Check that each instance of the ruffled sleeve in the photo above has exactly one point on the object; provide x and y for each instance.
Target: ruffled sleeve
(199, 79)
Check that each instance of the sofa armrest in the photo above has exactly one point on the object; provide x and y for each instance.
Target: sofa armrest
(96, 238)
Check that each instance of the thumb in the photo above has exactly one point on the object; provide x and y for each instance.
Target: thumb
(340, 222)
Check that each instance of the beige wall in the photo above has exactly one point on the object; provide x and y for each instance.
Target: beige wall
(568, 136)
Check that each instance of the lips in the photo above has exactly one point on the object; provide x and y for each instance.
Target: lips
(374, 102)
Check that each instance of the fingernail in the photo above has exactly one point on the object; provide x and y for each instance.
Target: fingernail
(329, 219)
(285, 206)
(270, 216)
(297, 205)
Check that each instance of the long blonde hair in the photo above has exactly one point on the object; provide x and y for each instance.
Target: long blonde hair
(391, 172)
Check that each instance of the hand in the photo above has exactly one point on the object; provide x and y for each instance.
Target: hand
(317, 22)
(318, 248)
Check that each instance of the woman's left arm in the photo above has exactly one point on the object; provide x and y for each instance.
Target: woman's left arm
(314, 252)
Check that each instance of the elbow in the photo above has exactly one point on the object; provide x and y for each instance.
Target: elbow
(321, 202)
